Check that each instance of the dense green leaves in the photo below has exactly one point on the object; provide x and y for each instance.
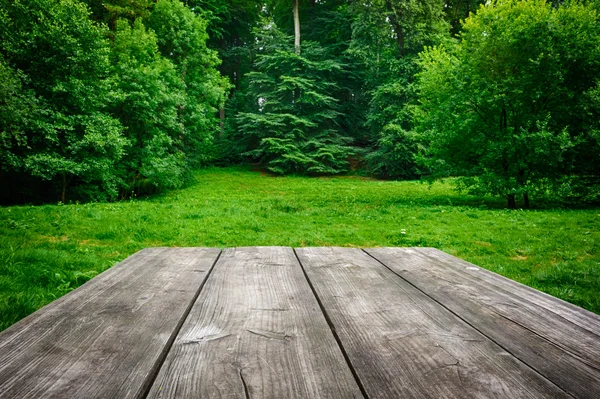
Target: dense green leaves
(182, 39)
(102, 100)
(503, 106)
(387, 36)
(149, 94)
(105, 113)
(294, 124)
(64, 131)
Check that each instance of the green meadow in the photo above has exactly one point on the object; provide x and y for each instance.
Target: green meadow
(46, 251)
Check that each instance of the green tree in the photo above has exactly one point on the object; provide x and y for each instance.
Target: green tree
(19, 110)
(150, 95)
(503, 107)
(182, 39)
(110, 11)
(387, 36)
(58, 58)
(293, 127)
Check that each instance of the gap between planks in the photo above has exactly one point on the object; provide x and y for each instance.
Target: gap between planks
(332, 328)
(470, 324)
(163, 355)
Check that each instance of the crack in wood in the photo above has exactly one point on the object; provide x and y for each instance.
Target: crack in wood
(444, 366)
(244, 384)
(206, 338)
(271, 334)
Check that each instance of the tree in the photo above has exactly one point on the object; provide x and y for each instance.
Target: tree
(181, 37)
(58, 58)
(502, 106)
(229, 26)
(387, 36)
(293, 127)
(17, 108)
(150, 93)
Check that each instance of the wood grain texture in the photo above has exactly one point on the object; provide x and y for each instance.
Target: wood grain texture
(107, 338)
(583, 318)
(526, 324)
(402, 344)
(256, 331)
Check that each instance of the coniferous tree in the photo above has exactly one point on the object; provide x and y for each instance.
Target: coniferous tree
(294, 127)
(387, 38)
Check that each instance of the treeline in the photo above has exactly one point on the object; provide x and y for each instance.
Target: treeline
(502, 95)
(104, 99)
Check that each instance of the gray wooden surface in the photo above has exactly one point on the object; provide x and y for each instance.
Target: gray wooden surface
(404, 344)
(562, 351)
(256, 331)
(273, 322)
(107, 338)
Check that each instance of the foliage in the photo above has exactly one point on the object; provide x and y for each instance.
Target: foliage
(230, 30)
(48, 250)
(110, 11)
(16, 107)
(503, 105)
(104, 113)
(387, 36)
(59, 58)
(182, 39)
(390, 118)
(294, 125)
(150, 93)
(455, 11)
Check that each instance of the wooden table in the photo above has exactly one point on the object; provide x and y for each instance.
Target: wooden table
(274, 322)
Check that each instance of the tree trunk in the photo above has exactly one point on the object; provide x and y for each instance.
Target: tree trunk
(222, 117)
(397, 28)
(64, 188)
(512, 203)
(526, 200)
(296, 27)
(399, 39)
(238, 66)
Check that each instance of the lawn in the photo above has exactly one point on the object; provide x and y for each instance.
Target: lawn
(46, 251)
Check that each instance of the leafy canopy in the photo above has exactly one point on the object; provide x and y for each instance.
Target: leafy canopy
(502, 105)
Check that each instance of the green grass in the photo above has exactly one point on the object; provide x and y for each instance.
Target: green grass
(46, 251)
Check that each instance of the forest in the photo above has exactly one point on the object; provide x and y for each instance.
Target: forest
(105, 101)
(132, 124)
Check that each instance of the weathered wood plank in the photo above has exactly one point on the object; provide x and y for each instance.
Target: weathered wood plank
(583, 318)
(107, 338)
(256, 331)
(564, 352)
(402, 343)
